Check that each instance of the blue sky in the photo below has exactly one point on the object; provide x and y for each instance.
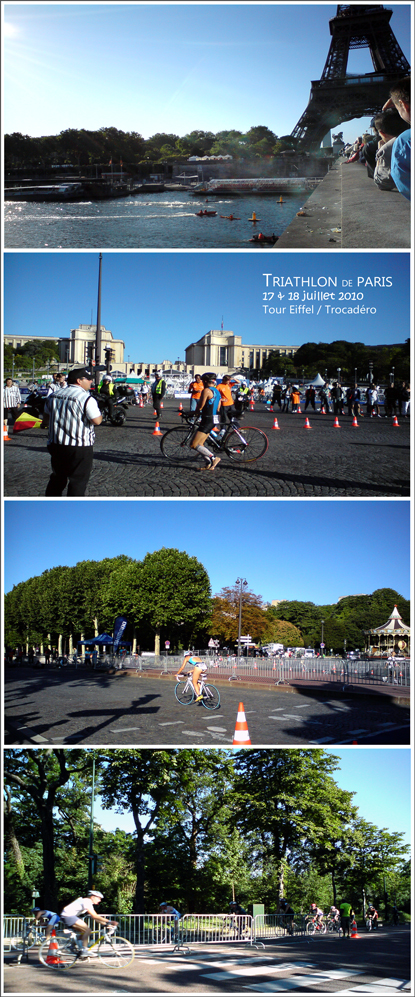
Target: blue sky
(170, 67)
(159, 303)
(375, 775)
(279, 546)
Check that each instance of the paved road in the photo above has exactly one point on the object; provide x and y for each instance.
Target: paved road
(68, 706)
(378, 963)
(370, 461)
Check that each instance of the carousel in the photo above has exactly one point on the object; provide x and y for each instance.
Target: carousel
(393, 638)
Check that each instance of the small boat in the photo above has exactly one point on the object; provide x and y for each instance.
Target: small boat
(231, 218)
(204, 214)
(264, 240)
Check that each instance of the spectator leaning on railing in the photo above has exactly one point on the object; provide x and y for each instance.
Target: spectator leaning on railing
(400, 98)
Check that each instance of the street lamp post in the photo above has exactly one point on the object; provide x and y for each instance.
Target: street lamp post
(91, 831)
(355, 376)
(242, 582)
(339, 370)
(322, 639)
(370, 372)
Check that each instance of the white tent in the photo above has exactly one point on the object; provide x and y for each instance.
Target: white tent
(318, 382)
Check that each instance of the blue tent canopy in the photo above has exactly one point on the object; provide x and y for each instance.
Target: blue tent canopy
(104, 639)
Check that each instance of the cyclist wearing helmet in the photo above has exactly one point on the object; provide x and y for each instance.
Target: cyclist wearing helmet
(72, 916)
(198, 669)
(49, 916)
(316, 913)
(334, 913)
(373, 914)
(169, 909)
(208, 405)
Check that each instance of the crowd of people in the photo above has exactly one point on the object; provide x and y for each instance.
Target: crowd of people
(387, 153)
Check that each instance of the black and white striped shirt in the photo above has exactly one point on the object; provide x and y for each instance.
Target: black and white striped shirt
(70, 412)
(12, 397)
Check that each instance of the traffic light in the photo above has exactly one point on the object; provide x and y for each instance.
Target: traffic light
(109, 355)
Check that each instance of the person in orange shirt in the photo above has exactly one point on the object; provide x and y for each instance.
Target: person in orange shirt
(195, 390)
(227, 410)
(295, 399)
(198, 668)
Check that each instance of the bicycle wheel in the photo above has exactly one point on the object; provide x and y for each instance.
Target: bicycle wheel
(211, 697)
(246, 445)
(115, 952)
(62, 957)
(323, 929)
(183, 694)
(175, 444)
(310, 928)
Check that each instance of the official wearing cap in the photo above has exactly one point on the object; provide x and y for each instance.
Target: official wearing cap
(71, 414)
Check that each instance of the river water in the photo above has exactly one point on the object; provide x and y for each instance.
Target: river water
(148, 221)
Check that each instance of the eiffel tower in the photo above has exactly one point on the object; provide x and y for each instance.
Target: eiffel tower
(339, 96)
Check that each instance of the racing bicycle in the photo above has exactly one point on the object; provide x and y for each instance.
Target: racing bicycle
(242, 446)
(185, 693)
(313, 926)
(32, 936)
(112, 951)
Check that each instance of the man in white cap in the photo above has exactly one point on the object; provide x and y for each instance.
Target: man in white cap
(72, 916)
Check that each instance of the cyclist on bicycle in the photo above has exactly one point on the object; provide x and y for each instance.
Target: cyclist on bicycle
(317, 913)
(171, 912)
(334, 913)
(373, 915)
(208, 406)
(49, 916)
(72, 917)
(198, 669)
(286, 912)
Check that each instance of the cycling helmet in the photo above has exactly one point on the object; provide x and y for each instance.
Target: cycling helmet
(35, 909)
(314, 905)
(164, 904)
(95, 893)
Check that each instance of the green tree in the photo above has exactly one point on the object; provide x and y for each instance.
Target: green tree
(38, 776)
(293, 798)
(167, 595)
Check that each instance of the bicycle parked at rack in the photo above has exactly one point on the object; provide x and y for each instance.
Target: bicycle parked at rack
(112, 951)
(185, 693)
(242, 446)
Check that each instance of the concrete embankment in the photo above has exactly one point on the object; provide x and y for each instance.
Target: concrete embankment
(348, 211)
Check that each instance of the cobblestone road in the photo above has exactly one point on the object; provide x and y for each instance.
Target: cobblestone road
(370, 461)
(69, 706)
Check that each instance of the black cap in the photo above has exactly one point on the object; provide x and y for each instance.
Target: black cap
(80, 372)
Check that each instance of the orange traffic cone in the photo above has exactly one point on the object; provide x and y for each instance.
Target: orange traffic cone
(299, 410)
(395, 421)
(271, 408)
(307, 424)
(141, 402)
(353, 933)
(275, 426)
(241, 735)
(355, 422)
(322, 411)
(336, 424)
(52, 957)
(252, 406)
(180, 407)
(157, 431)
(5, 435)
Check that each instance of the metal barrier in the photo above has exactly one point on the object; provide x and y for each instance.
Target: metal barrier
(13, 927)
(277, 926)
(284, 670)
(143, 930)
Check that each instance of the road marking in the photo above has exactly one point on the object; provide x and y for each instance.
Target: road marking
(359, 730)
(323, 740)
(221, 730)
(120, 730)
(170, 723)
